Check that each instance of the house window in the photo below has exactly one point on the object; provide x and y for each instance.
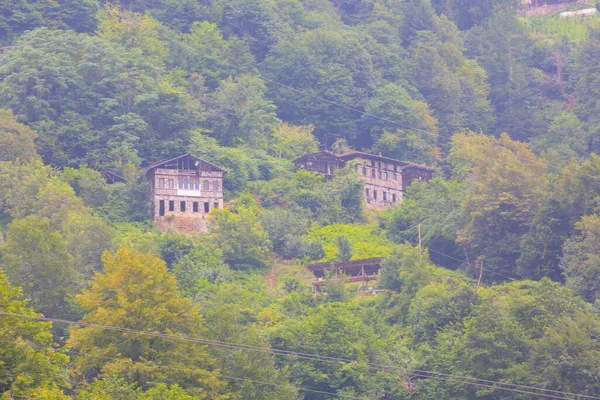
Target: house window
(171, 184)
(365, 171)
(215, 205)
(195, 206)
(384, 196)
(395, 177)
(206, 206)
(373, 172)
(186, 184)
(373, 163)
(161, 208)
(171, 205)
(161, 183)
(385, 176)
(375, 194)
(393, 197)
(216, 186)
(206, 185)
(395, 168)
(379, 174)
(180, 182)
(367, 192)
(182, 206)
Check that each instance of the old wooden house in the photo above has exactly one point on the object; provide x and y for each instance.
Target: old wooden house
(184, 190)
(385, 178)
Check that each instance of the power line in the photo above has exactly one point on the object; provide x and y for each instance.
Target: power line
(78, 353)
(312, 357)
(335, 103)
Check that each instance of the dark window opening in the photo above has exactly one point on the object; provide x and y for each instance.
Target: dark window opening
(206, 206)
(384, 196)
(393, 197)
(367, 192)
(373, 163)
(375, 194)
(395, 168)
(373, 173)
(171, 205)
(365, 171)
(385, 176)
(195, 206)
(215, 205)
(161, 208)
(182, 206)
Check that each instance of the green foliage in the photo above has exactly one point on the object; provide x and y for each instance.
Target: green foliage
(436, 207)
(506, 191)
(239, 113)
(344, 248)
(136, 292)
(580, 260)
(360, 241)
(240, 235)
(16, 140)
(331, 330)
(50, 80)
(28, 360)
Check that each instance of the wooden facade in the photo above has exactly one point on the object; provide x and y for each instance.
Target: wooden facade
(385, 178)
(323, 162)
(364, 270)
(184, 190)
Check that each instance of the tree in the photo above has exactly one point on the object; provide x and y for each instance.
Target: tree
(204, 262)
(294, 141)
(136, 292)
(28, 361)
(507, 188)
(133, 31)
(16, 139)
(240, 113)
(344, 246)
(581, 259)
(331, 330)
(240, 235)
(330, 64)
(35, 257)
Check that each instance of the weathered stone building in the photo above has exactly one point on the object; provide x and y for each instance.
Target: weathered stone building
(184, 190)
(385, 178)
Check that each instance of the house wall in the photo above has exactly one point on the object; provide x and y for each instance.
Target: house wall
(383, 182)
(187, 221)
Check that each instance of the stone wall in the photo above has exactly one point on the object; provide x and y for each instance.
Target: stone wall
(383, 185)
(187, 221)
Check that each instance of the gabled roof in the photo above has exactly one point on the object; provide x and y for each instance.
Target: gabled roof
(110, 177)
(159, 163)
(319, 155)
(354, 154)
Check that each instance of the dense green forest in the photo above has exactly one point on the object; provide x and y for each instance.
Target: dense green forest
(500, 301)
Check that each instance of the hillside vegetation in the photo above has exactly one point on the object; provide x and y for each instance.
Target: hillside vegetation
(501, 300)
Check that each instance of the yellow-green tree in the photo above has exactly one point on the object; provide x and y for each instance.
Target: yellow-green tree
(134, 31)
(136, 292)
(508, 184)
(29, 366)
(16, 139)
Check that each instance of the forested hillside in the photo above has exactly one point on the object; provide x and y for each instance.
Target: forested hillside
(501, 299)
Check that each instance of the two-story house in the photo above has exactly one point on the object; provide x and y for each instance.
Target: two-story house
(183, 191)
(385, 178)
